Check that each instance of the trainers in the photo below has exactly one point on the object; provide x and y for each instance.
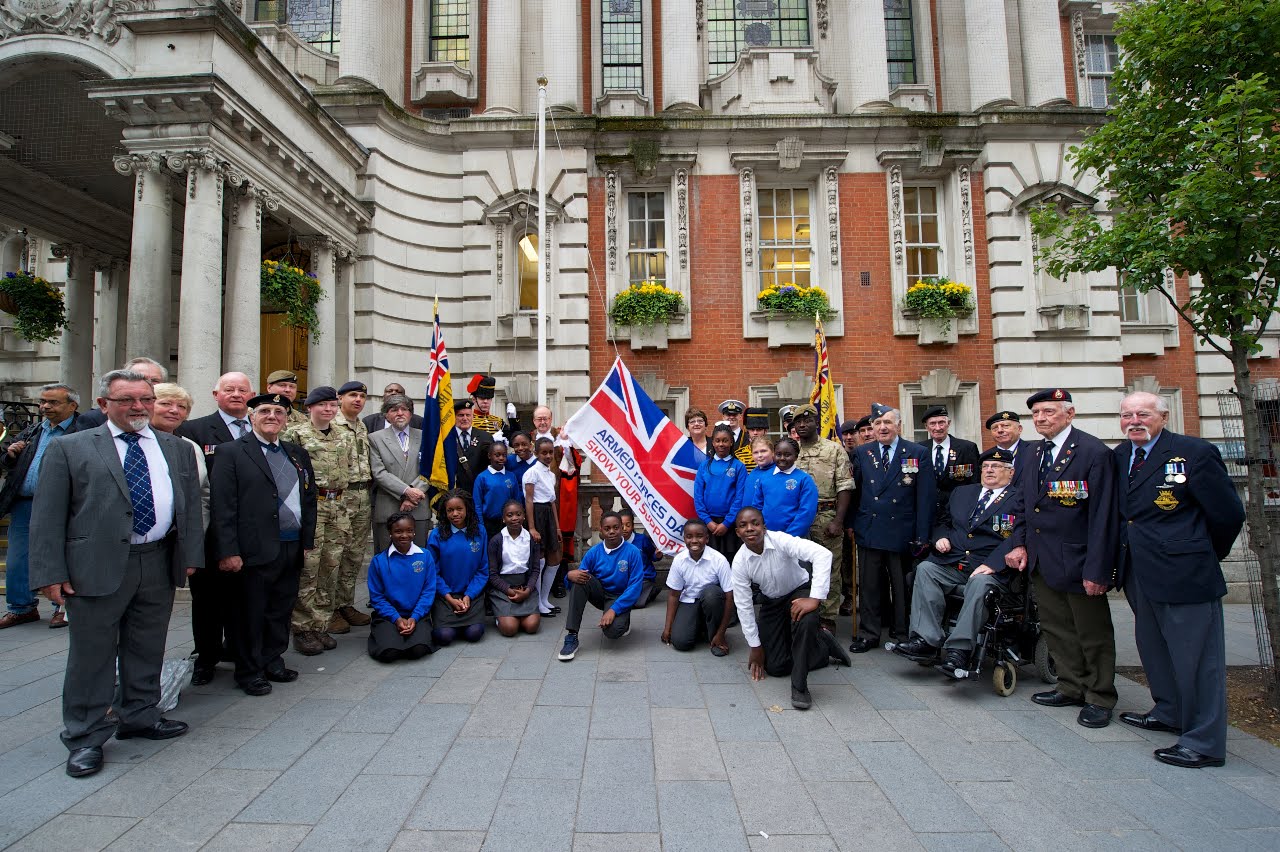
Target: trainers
(307, 643)
(326, 641)
(338, 624)
(570, 649)
(354, 617)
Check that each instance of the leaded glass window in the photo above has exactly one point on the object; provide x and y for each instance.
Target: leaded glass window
(450, 30)
(1101, 57)
(622, 37)
(647, 236)
(785, 239)
(733, 25)
(901, 42)
(317, 22)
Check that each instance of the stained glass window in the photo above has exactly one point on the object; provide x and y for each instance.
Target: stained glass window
(622, 38)
(450, 31)
(901, 42)
(733, 25)
(317, 22)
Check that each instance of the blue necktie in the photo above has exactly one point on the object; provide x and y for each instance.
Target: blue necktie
(938, 464)
(1139, 456)
(138, 475)
(884, 456)
(981, 507)
(1046, 460)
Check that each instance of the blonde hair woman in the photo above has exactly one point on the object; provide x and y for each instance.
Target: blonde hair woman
(173, 406)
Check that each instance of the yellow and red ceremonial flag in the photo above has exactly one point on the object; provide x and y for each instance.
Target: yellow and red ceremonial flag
(823, 395)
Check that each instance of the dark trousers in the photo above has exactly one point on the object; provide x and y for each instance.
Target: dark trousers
(262, 604)
(594, 592)
(212, 596)
(846, 569)
(727, 543)
(1183, 652)
(127, 627)
(1082, 642)
(698, 619)
(790, 647)
(874, 566)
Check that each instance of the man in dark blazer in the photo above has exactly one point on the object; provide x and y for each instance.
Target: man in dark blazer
(1068, 536)
(116, 526)
(1181, 515)
(954, 460)
(970, 542)
(896, 498)
(1006, 430)
(264, 519)
(378, 420)
(473, 445)
(393, 461)
(211, 599)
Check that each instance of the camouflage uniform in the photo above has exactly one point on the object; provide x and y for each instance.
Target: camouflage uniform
(358, 501)
(296, 418)
(828, 463)
(332, 461)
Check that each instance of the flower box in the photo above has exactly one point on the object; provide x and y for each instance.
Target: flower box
(649, 336)
(935, 331)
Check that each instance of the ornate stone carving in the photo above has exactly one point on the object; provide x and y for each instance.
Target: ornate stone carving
(790, 153)
(966, 215)
(682, 216)
(698, 17)
(823, 21)
(498, 235)
(895, 216)
(831, 176)
(1077, 40)
(137, 164)
(611, 218)
(82, 18)
(545, 246)
(745, 178)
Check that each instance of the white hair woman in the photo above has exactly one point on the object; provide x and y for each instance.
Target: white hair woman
(173, 406)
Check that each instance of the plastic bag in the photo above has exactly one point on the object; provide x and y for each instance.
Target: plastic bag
(174, 675)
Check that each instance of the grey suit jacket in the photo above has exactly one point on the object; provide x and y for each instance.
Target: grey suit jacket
(393, 473)
(82, 517)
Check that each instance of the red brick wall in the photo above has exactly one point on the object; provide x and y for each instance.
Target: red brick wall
(936, 53)
(1069, 60)
(588, 105)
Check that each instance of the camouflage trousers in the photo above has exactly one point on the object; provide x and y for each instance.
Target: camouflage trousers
(355, 552)
(316, 587)
(830, 608)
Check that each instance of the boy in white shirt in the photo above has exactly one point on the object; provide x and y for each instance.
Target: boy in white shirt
(704, 603)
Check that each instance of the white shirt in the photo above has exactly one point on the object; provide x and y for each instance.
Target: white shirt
(413, 548)
(543, 480)
(515, 552)
(689, 576)
(946, 450)
(231, 426)
(161, 484)
(777, 571)
(1060, 441)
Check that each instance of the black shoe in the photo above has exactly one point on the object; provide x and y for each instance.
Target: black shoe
(1093, 716)
(846, 608)
(256, 687)
(555, 610)
(801, 699)
(834, 651)
(954, 658)
(917, 650)
(203, 675)
(162, 730)
(1174, 755)
(551, 613)
(1054, 698)
(84, 761)
(862, 646)
(558, 592)
(1148, 722)
(282, 676)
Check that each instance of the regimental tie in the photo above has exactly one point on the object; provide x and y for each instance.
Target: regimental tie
(938, 464)
(1139, 456)
(466, 440)
(884, 456)
(1046, 460)
(981, 507)
(138, 476)
(243, 426)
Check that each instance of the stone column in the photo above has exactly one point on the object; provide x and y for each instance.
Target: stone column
(150, 257)
(562, 54)
(1042, 63)
(109, 314)
(200, 299)
(987, 43)
(868, 57)
(322, 346)
(682, 69)
(242, 320)
(502, 85)
(75, 359)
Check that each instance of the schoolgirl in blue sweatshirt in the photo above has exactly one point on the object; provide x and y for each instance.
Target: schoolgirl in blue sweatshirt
(719, 491)
(762, 455)
(492, 489)
(519, 460)
(786, 495)
(402, 589)
(459, 548)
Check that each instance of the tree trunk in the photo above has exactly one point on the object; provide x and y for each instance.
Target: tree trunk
(1264, 539)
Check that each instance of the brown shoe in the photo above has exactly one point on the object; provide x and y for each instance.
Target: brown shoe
(338, 625)
(326, 641)
(13, 619)
(58, 619)
(354, 617)
(307, 643)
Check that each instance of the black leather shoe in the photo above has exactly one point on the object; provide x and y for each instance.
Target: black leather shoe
(834, 651)
(1148, 722)
(862, 646)
(282, 676)
(558, 592)
(801, 699)
(551, 613)
(1093, 716)
(555, 610)
(163, 730)
(916, 650)
(1054, 698)
(1174, 755)
(84, 761)
(202, 675)
(256, 687)
(954, 659)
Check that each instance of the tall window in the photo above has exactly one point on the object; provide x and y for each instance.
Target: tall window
(622, 37)
(923, 238)
(1130, 304)
(647, 236)
(733, 25)
(785, 246)
(450, 25)
(527, 295)
(901, 40)
(317, 22)
(1101, 57)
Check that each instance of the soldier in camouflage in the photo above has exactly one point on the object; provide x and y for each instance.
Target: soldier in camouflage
(285, 383)
(828, 464)
(332, 454)
(358, 501)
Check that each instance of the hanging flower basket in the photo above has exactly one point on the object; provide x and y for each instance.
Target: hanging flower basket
(938, 299)
(795, 301)
(39, 313)
(646, 303)
(294, 292)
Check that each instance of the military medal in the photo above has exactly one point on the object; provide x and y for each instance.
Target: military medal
(1176, 471)
(909, 467)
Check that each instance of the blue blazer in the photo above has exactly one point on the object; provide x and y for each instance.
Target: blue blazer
(985, 540)
(895, 508)
(1175, 533)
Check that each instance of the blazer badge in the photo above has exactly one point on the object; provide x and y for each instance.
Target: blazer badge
(1165, 499)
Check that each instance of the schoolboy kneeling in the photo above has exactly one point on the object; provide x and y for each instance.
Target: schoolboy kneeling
(609, 577)
(701, 601)
(402, 587)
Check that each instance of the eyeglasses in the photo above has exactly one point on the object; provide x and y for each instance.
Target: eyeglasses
(131, 400)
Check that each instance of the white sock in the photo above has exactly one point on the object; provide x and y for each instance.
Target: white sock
(544, 586)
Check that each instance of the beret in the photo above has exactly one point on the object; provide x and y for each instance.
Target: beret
(1049, 395)
(282, 376)
(463, 404)
(732, 406)
(1003, 416)
(351, 387)
(270, 399)
(934, 411)
(848, 427)
(865, 421)
(997, 455)
(803, 410)
(324, 393)
(482, 386)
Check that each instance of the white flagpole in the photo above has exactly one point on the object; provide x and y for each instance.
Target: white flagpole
(543, 243)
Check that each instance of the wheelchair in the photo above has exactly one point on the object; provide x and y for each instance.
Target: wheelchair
(1009, 638)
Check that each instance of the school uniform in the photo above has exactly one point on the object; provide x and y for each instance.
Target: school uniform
(513, 562)
(516, 469)
(719, 491)
(463, 565)
(401, 585)
(649, 551)
(787, 499)
(614, 583)
(702, 585)
(492, 490)
(544, 518)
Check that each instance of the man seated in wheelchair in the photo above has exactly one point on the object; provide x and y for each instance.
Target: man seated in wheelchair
(970, 539)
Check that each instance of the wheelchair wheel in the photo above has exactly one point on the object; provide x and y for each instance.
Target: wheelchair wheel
(1044, 662)
(1004, 677)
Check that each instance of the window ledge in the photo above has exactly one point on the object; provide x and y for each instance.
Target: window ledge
(787, 329)
(444, 83)
(622, 104)
(916, 97)
(655, 336)
(522, 325)
(1064, 318)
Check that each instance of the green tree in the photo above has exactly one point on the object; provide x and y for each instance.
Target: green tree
(1187, 168)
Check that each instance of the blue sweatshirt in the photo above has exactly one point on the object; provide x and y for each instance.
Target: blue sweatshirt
(402, 585)
(719, 489)
(463, 563)
(621, 573)
(648, 551)
(748, 496)
(788, 501)
(516, 469)
(491, 491)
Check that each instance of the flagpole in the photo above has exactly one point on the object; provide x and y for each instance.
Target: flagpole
(543, 243)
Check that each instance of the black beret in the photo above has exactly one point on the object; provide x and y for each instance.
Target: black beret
(997, 455)
(324, 393)
(460, 404)
(934, 411)
(1000, 416)
(270, 399)
(865, 421)
(349, 387)
(848, 427)
(1049, 395)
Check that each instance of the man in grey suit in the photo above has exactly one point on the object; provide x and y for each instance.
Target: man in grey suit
(116, 526)
(393, 460)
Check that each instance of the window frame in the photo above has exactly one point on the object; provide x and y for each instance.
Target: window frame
(627, 221)
(776, 245)
(1112, 55)
(641, 65)
(714, 66)
(940, 247)
(334, 41)
(433, 39)
(913, 62)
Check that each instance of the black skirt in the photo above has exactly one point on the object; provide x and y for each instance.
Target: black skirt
(503, 606)
(547, 525)
(442, 615)
(383, 635)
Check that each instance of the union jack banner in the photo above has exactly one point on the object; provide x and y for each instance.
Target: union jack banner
(823, 395)
(438, 459)
(644, 455)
